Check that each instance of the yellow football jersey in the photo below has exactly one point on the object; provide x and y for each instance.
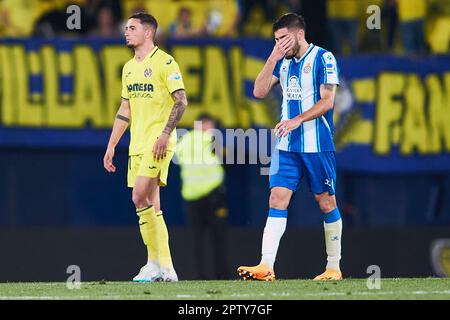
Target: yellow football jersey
(148, 86)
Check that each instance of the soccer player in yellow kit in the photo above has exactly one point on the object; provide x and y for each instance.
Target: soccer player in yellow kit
(153, 100)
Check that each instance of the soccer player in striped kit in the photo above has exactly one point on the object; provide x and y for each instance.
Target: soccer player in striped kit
(308, 76)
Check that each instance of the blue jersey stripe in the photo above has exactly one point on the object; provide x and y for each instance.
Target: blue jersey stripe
(326, 130)
(316, 83)
(300, 109)
(287, 104)
(324, 70)
(300, 131)
(294, 110)
(315, 101)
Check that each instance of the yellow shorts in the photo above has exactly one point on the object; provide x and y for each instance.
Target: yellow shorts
(143, 165)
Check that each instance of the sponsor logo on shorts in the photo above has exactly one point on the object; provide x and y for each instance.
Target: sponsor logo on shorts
(329, 182)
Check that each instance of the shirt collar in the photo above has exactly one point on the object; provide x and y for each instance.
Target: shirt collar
(311, 46)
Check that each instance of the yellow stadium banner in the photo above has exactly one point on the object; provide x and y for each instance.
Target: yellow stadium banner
(391, 113)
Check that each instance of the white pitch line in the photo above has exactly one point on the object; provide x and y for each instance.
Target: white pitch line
(375, 293)
(42, 298)
(237, 295)
(432, 292)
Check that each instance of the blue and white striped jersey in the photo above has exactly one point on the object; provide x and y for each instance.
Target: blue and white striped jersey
(300, 80)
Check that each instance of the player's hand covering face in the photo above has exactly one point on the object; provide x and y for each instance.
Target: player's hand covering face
(288, 42)
(283, 45)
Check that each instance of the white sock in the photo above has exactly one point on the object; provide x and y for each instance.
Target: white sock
(273, 232)
(153, 264)
(333, 234)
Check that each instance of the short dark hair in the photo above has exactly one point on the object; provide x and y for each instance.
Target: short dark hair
(145, 18)
(289, 20)
(205, 117)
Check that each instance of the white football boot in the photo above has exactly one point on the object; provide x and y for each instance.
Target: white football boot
(148, 273)
(168, 275)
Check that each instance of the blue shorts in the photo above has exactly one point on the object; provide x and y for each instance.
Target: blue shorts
(288, 168)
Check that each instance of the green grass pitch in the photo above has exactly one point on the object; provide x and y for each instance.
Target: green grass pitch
(391, 289)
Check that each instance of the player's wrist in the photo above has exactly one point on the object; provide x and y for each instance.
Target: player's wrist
(273, 60)
(112, 145)
(300, 118)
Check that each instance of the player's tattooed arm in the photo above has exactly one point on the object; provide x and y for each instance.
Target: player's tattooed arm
(160, 146)
(326, 102)
(180, 103)
(327, 90)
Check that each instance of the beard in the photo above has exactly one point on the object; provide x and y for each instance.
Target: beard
(130, 45)
(293, 52)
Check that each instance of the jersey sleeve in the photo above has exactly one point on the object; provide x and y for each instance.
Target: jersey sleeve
(328, 71)
(276, 71)
(172, 76)
(124, 85)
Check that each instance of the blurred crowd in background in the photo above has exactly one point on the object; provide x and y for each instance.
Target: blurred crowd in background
(407, 26)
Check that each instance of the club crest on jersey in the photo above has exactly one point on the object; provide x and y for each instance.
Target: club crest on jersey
(148, 72)
(307, 69)
(294, 91)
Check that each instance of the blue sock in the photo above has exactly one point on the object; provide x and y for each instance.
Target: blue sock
(332, 216)
(278, 213)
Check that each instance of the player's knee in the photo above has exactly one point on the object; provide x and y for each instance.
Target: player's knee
(140, 200)
(278, 201)
(326, 204)
(155, 205)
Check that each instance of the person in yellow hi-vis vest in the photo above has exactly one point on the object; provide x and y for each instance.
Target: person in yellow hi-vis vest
(203, 191)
